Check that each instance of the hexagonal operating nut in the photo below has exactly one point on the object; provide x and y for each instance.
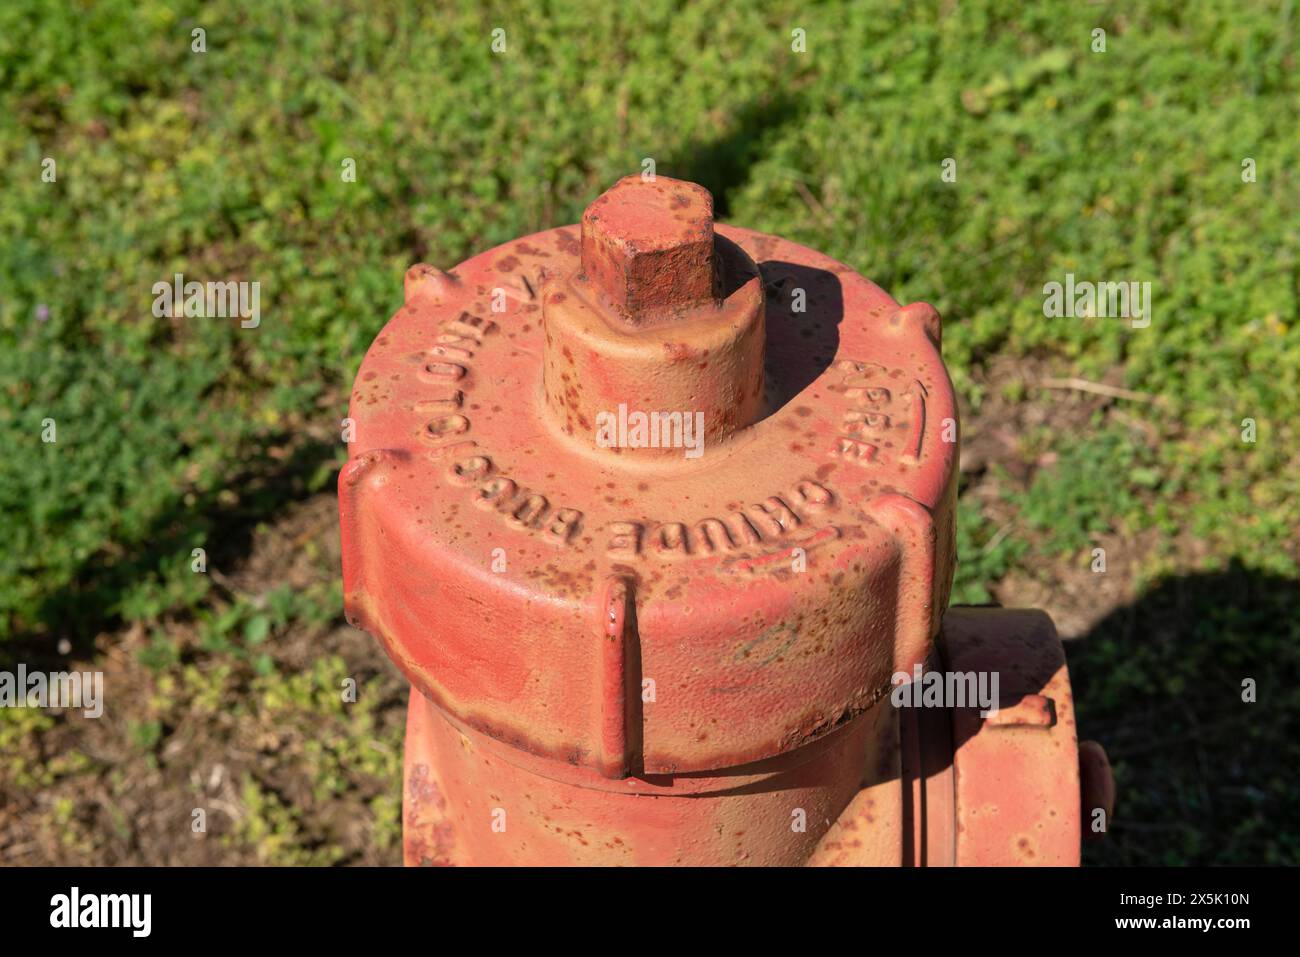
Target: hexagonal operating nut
(647, 246)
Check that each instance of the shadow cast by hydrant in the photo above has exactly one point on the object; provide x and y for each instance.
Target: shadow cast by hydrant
(1192, 689)
(805, 307)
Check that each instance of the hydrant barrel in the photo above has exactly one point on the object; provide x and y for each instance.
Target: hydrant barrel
(650, 512)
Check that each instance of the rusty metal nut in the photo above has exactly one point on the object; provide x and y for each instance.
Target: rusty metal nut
(647, 246)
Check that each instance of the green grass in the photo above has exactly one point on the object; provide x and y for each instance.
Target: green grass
(226, 165)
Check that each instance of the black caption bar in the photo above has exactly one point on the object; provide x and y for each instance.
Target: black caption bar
(136, 905)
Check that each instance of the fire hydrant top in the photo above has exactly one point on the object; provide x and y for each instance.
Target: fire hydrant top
(651, 495)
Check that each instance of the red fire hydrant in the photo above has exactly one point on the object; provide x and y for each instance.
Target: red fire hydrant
(657, 517)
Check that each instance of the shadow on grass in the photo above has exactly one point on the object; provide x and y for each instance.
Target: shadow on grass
(722, 165)
(264, 486)
(1203, 776)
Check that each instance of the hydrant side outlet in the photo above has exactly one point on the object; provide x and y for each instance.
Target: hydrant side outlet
(653, 508)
